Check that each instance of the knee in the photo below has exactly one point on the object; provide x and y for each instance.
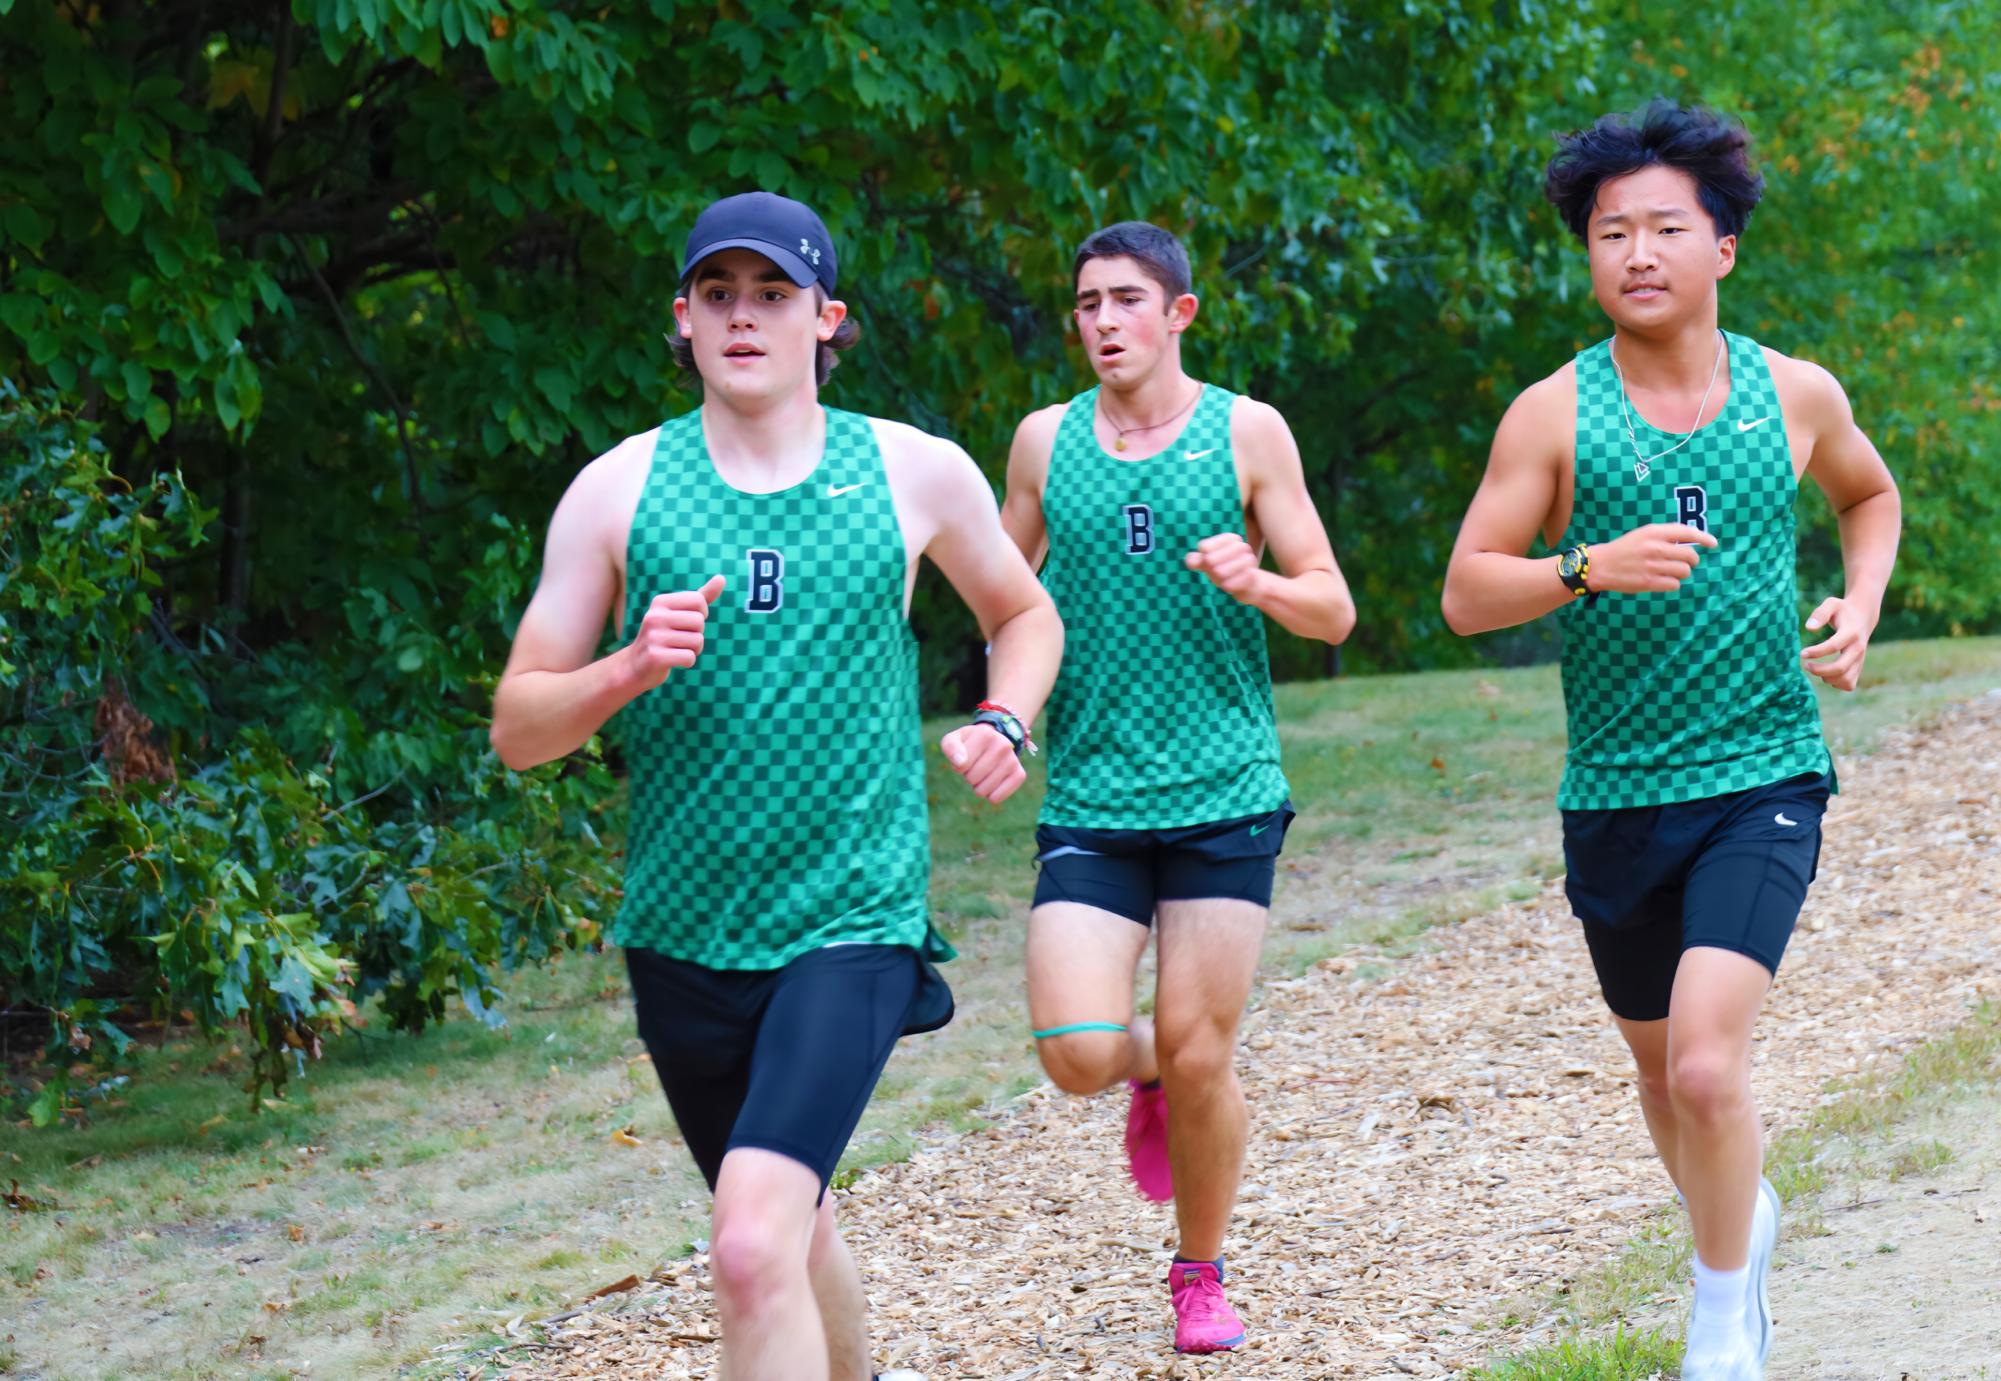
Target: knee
(754, 1254)
(1086, 1061)
(1198, 1058)
(1653, 1081)
(1707, 1083)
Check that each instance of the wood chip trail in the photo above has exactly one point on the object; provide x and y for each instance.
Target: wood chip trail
(1452, 1135)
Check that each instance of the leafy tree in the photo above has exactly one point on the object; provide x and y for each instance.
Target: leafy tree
(312, 310)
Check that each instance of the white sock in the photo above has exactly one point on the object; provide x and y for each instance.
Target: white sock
(1718, 1324)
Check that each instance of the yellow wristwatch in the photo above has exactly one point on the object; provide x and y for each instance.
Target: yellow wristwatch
(1573, 568)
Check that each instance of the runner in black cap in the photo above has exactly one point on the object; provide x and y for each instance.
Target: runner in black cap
(759, 553)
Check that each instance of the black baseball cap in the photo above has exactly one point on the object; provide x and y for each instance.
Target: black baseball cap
(785, 231)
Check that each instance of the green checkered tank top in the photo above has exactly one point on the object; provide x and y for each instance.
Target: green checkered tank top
(1698, 693)
(1162, 712)
(777, 784)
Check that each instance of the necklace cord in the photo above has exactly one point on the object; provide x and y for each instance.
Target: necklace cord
(1151, 426)
(1632, 436)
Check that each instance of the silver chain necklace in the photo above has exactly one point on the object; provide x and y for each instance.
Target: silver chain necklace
(1643, 463)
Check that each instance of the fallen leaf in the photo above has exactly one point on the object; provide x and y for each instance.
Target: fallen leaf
(617, 1287)
(295, 1232)
(25, 1203)
(624, 1137)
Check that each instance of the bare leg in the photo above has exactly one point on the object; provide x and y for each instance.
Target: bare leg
(1081, 962)
(1208, 957)
(1648, 1041)
(764, 1223)
(1720, 1144)
(837, 1289)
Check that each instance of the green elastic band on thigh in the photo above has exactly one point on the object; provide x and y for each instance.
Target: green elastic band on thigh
(1078, 1026)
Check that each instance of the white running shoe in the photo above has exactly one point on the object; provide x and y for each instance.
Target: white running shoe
(1737, 1364)
(1764, 1237)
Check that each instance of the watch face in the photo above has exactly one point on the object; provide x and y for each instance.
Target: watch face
(1568, 563)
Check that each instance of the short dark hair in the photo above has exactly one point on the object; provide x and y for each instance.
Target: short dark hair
(1709, 147)
(824, 359)
(1155, 250)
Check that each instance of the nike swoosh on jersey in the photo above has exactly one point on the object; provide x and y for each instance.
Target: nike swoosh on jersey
(834, 491)
(1780, 819)
(1197, 455)
(1754, 422)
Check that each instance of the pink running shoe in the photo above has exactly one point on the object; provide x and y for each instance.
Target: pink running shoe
(1203, 1319)
(1146, 1142)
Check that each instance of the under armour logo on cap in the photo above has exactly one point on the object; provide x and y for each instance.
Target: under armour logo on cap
(784, 231)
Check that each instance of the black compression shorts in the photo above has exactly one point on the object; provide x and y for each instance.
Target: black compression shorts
(1128, 872)
(1728, 871)
(783, 1060)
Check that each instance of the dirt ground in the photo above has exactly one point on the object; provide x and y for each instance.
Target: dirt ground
(1906, 1281)
(1439, 1141)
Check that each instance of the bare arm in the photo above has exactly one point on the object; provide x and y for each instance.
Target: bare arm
(969, 546)
(552, 697)
(1490, 581)
(1307, 594)
(1848, 469)
(1027, 473)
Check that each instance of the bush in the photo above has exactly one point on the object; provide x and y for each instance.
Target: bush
(240, 890)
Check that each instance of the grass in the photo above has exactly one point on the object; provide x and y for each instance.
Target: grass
(1965, 1060)
(421, 1190)
(1622, 1357)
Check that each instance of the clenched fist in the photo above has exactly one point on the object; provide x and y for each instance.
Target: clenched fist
(1229, 561)
(1648, 560)
(670, 635)
(983, 756)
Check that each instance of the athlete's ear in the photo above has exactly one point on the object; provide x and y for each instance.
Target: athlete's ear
(832, 313)
(681, 318)
(1181, 312)
(1726, 256)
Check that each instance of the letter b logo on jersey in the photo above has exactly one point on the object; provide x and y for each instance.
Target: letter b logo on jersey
(767, 580)
(1139, 529)
(1691, 506)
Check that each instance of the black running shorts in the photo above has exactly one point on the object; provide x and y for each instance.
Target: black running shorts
(784, 1059)
(1652, 881)
(1127, 872)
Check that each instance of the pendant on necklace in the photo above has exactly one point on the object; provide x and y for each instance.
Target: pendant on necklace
(1641, 469)
(1119, 445)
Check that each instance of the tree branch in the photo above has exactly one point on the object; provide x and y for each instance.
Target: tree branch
(411, 480)
(274, 104)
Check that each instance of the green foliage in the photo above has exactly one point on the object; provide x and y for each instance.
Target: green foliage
(240, 893)
(373, 278)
